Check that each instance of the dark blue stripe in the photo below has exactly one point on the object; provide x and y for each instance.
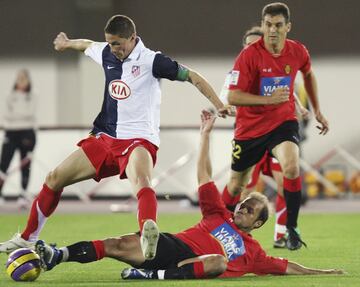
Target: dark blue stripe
(107, 118)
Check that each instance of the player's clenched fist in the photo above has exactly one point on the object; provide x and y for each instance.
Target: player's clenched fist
(60, 42)
(280, 95)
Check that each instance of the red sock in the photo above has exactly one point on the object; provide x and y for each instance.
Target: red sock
(99, 249)
(147, 205)
(292, 185)
(43, 206)
(228, 199)
(199, 269)
(281, 217)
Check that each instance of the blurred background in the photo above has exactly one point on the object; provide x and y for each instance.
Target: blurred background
(203, 34)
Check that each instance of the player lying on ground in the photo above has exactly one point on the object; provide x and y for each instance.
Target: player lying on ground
(219, 245)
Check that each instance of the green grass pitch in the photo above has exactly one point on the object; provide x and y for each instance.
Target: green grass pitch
(333, 242)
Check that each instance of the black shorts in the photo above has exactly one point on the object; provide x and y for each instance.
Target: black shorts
(170, 251)
(247, 153)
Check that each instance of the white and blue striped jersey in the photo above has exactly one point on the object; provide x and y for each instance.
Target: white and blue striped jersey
(132, 96)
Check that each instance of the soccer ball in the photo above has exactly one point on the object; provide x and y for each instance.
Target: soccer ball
(23, 265)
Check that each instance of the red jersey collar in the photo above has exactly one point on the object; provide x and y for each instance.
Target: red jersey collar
(284, 51)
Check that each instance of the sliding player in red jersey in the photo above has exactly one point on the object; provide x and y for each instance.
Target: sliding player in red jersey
(219, 245)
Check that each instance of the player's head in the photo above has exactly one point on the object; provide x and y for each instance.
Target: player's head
(252, 212)
(22, 82)
(251, 35)
(120, 33)
(275, 23)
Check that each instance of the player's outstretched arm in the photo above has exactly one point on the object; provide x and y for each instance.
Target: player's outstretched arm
(311, 89)
(294, 268)
(204, 170)
(206, 89)
(62, 42)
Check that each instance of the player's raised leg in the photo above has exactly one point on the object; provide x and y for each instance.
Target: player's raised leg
(75, 168)
(138, 171)
(287, 153)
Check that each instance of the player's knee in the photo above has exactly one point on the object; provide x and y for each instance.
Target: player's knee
(115, 247)
(140, 182)
(52, 180)
(215, 265)
(291, 170)
(112, 247)
(235, 187)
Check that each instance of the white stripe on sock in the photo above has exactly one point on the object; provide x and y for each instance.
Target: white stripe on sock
(279, 229)
(34, 236)
(161, 274)
(65, 252)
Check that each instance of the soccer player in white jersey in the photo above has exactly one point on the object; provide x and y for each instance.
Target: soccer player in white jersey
(125, 135)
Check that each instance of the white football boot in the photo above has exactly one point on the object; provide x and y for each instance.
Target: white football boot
(15, 243)
(149, 239)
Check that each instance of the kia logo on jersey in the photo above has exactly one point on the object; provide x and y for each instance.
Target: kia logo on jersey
(118, 90)
(269, 84)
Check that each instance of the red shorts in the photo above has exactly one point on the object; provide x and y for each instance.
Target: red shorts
(266, 165)
(110, 156)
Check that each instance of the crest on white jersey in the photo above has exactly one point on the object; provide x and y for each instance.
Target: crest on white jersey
(234, 77)
(118, 90)
(135, 71)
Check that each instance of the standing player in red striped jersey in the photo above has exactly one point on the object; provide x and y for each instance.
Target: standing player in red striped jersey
(261, 86)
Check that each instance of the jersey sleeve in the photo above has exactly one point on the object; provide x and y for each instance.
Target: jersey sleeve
(243, 71)
(94, 51)
(225, 89)
(265, 264)
(306, 63)
(209, 199)
(166, 68)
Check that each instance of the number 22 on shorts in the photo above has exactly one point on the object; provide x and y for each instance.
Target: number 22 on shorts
(236, 150)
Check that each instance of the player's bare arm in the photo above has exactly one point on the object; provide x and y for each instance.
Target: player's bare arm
(304, 112)
(204, 170)
(62, 42)
(312, 91)
(240, 98)
(294, 268)
(206, 89)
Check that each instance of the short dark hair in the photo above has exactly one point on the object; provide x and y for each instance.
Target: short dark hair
(255, 30)
(264, 213)
(120, 25)
(277, 8)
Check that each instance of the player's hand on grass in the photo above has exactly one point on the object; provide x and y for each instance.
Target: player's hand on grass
(337, 271)
(279, 95)
(207, 121)
(324, 128)
(61, 42)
